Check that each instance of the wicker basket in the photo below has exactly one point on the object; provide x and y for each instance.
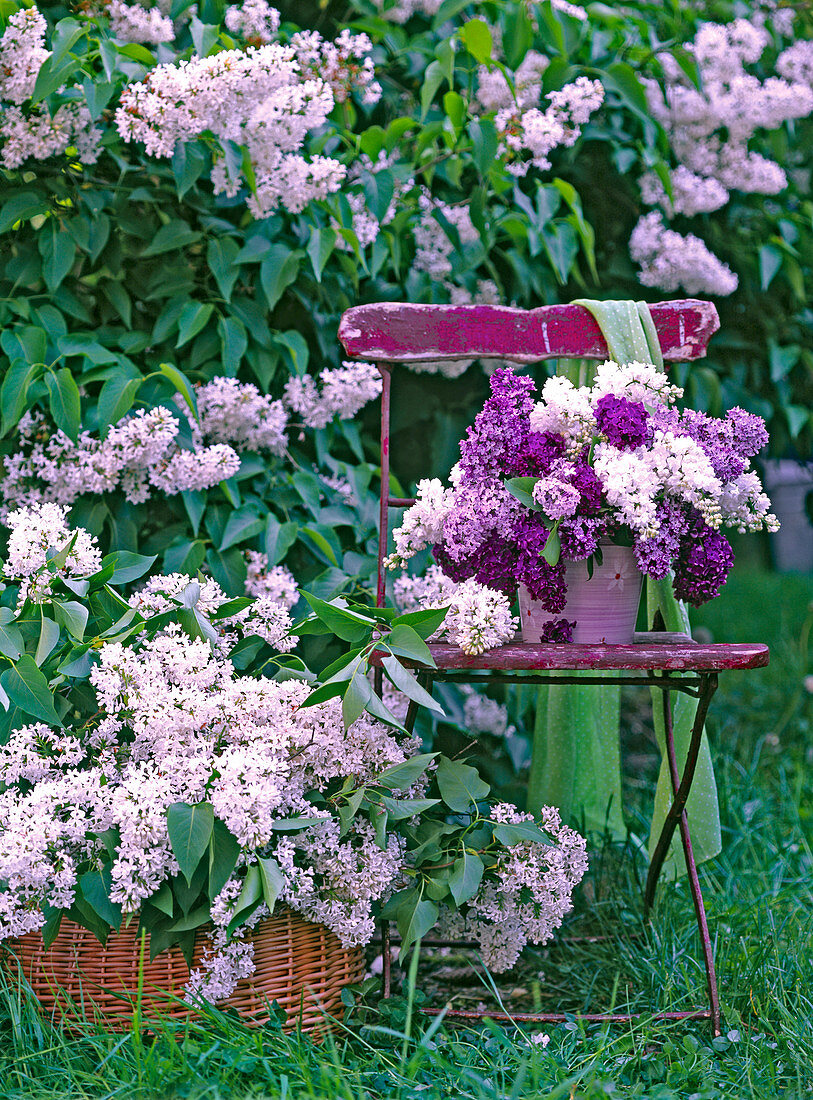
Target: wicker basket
(300, 965)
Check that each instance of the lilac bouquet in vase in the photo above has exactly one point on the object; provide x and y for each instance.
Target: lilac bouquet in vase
(570, 499)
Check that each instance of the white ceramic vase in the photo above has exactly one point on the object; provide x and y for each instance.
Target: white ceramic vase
(604, 605)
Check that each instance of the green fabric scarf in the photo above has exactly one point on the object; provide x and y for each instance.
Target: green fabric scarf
(575, 764)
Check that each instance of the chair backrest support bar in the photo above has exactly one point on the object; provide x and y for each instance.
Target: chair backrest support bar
(402, 332)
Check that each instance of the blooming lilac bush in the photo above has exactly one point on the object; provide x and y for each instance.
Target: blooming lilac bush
(548, 480)
(160, 784)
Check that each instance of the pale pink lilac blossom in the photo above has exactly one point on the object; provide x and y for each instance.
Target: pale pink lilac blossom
(532, 893)
(691, 194)
(709, 129)
(339, 485)
(177, 724)
(268, 617)
(136, 23)
(670, 261)
(37, 532)
(342, 392)
(236, 413)
(479, 618)
(197, 732)
(267, 99)
(399, 11)
(367, 225)
(253, 19)
(422, 523)
(274, 582)
(22, 54)
(573, 10)
(433, 246)
(344, 65)
(539, 132)
(141, 453)
(795, 64)
(36, 133)
(494, 91)
(484, 715)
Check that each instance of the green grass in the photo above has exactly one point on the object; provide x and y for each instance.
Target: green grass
(760, 904)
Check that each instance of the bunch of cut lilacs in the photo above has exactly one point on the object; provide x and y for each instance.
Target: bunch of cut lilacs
(96, 795)
(540, 481)
(169, 451)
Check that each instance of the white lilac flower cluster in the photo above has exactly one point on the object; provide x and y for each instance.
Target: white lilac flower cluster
(340, 391)
(36, 133)
(275, 583)
(36, 534)
(709, 129)
(531, 894)
(422, 523)
(481, 714)
(254, 20)
(139, 455)
(528, 134)
(479, 618)
(266, 98)
(267, 617)
(536, 132)
(134, 22)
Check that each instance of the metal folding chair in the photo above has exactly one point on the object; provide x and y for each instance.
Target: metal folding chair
(388, 333)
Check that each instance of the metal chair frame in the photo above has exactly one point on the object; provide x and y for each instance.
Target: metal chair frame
(389, 333)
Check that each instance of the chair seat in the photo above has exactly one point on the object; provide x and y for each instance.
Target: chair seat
(667, 656)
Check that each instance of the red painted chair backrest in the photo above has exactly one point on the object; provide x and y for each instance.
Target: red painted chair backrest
(385, 333)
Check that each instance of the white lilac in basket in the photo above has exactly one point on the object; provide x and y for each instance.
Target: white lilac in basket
(175, 722)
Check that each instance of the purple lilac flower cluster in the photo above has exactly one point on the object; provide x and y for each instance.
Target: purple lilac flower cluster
(613, 461)
(501, 546)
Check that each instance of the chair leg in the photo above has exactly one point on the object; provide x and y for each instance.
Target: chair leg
(677, 816)
(702, 923)
(680, 787)
(386, 959)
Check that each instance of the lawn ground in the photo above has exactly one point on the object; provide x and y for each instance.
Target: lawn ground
(759, 896)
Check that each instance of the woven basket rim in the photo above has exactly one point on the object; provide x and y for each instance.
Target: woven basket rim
(299, 964)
